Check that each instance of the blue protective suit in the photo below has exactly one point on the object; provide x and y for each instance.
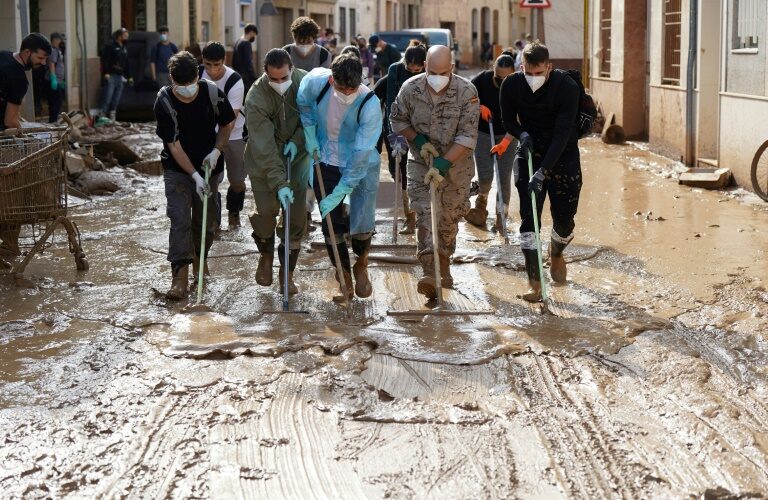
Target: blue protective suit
(359, 160)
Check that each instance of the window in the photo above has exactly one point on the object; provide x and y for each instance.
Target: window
(605, 38)
(161, 13)
(746, 24)
(352, 23)
(245, 14)
(342, 23)
(672, 19)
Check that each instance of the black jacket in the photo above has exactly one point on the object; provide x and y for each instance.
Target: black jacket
(114, 60)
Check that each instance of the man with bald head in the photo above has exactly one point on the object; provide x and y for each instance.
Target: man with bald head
(437, 111)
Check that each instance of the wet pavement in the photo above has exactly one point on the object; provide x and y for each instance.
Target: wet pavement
(648, 378)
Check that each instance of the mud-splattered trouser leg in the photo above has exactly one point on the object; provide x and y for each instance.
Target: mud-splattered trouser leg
(484, 165)
(331, 177)
(234, 153)
(453, 197)
(185, 209)
(264, 222)
(563, 188)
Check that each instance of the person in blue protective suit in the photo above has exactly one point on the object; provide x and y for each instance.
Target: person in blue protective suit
(341, 126)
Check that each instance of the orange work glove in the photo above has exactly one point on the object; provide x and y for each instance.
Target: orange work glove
(501, 148)
(485, 113)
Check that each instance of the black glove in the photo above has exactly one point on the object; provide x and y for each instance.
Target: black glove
(526, 144)
(536, 183)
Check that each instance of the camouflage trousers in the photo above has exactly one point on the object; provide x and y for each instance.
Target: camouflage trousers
(452, 197)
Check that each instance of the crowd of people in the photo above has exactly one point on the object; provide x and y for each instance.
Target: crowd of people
(317, 105)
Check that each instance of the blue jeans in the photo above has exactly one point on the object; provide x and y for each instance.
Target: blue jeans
(111, 93)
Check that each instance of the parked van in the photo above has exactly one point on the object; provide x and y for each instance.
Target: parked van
(438, 36)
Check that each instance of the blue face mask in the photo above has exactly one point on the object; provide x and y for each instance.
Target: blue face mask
(187, 91)
(163, 37)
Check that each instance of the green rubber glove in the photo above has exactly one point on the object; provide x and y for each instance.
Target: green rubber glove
(332, 201)
(420, 140)
(285, 195)
(310, 141)
(442, 165)
(54, 82)
(290, 150)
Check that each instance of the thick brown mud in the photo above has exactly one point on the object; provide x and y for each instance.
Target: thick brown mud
(646, 378)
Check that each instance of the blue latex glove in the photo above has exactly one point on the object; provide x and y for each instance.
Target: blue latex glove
(285, 195)
(54, 82)
(290, 150)
(332, 201)
(442, 165)
(310, 141)
(536, 184)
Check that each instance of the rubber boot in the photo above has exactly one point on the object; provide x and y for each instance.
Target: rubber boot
(426, 285)
(361, 248)
(445, 271)
(112, 116)
(235, 202)
(410, 215)
(179, 282)
(195, 268)
(534, 279)
(346, 269)
(264, 269)
(557, 268)
(478, 215)
(497, 226)
(234, 220)
(293, 258)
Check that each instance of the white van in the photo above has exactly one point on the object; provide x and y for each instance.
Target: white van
(439, 36)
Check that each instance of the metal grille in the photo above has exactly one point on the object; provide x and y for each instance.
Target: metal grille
(33, 183)
(672, 18)
(605, 38)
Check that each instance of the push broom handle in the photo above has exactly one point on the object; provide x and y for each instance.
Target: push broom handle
(535, 206)
(500, 208)
(201, 267)
(286, 241)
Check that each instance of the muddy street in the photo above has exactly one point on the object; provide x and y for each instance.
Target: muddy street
(648, 379)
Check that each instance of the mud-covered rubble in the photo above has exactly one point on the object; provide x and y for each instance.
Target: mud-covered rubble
(647, 378)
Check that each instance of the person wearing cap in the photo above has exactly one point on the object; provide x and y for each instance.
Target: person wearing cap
(386, 54)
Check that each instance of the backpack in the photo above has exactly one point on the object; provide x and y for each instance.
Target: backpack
(327, 87)
(231, 81)
(585, 118)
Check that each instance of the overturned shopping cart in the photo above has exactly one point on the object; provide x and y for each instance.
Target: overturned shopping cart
(33, 197)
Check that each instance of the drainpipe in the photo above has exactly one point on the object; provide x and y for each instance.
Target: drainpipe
(80, 30)
(690, 96)
(585, 50)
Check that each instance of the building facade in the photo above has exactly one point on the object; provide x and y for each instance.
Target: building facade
(689, 75)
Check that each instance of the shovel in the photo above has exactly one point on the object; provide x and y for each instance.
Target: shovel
(534, 205)
(199, 306)
(500, 208)
(332, 234)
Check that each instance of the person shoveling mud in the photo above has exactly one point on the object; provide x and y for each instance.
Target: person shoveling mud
(342, 122)
(187, 113)
(546, 103)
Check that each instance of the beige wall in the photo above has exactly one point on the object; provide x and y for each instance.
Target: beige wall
(742, 131)
(563, 29)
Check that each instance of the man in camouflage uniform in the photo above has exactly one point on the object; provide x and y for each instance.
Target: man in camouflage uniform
(437, 112)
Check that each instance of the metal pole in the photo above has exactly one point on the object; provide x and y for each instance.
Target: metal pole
(435, 240)
(690, 97)
(286, 242)
(585, 51)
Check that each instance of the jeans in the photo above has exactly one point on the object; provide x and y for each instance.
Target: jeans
(111, 93)
(55, 98)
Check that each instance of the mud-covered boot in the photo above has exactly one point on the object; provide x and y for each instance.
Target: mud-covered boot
(346, 267)
(266, 257)
(534, 279)
(195, 270)
(410, 215)
(557, 268)
(445, 271)
(478, 215)
(234, 220)
(361, 248)
(426, 285)
(498, 225)
(293, 258)
(179, 282)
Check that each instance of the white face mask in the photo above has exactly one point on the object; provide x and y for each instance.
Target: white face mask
(345, 99)
(535, 82)
(438, 82)
(282, 87)
(304, 49)
(187, 91)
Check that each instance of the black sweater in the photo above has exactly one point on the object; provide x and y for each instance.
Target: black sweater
(548, 115)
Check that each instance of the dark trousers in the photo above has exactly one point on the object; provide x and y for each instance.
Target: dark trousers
(563, 188)
(185, 209)
(340, 221)
(392, 160)
(55, 98)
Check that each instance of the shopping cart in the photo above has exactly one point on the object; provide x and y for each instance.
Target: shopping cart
(33, 197)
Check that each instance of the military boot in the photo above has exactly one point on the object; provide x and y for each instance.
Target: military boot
(534, 279)
(266, 257)
(426, 285)
(478, 215)
(557, 268)
(410, 216)
(361, 248)
(293, 258)
(445, 271)
(179, 282)
(346, 267)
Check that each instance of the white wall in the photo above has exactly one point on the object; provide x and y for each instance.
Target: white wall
(563, 29)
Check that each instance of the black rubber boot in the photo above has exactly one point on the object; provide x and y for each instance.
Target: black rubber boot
(534, 278)
(557, 269)
(267, 251)
(293, 258)
(361, 248)
(235, 200)
(346, 267)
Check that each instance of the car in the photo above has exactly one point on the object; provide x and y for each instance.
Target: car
(437, 36)
(401, 39)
